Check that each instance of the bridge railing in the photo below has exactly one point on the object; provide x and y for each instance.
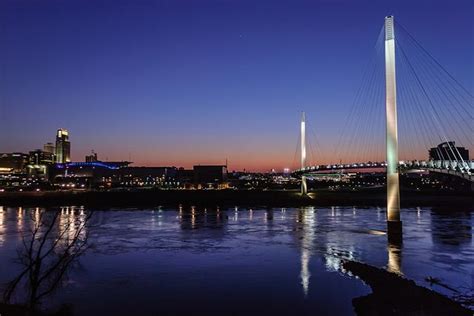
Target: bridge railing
(462, 167)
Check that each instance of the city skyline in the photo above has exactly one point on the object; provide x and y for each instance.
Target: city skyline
(185, 84)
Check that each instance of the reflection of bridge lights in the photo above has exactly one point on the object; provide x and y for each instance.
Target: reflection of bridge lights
(250, 214)
(2, 228)
(418, 212)
(394, 259)
(308, 221)
(193, 217)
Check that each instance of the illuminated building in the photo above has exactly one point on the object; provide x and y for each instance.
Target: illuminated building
(39, 161)
(63, 146)
(41, 157)
(13, 162)
(92, 157)
(448, 151)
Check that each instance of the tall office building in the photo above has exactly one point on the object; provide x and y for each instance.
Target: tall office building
(63, 146)
(92, 157)
(49, 148)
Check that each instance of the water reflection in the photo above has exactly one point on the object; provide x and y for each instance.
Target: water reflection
(253, 245)
(194, 218)
(394, 258)
(307, 223)
(19, 218)
(50, 244)
(2, 225)
(451, 228)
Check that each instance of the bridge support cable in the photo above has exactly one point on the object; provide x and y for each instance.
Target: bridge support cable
(316, 149)
(449, 102)
(411, 106)
(444, 98)
(431, 72)
(295, 163)
(433, 111)
(360, 134)
(439, 89)
(457, 83)
(427, 125)
(373, 132)
(341, 151)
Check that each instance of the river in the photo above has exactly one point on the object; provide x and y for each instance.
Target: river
(242, 261)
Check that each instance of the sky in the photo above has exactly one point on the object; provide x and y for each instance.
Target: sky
(178, 83)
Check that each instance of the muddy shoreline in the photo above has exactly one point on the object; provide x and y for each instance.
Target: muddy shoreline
(395, 295)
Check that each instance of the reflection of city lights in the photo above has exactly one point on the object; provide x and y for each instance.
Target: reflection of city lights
(180, 212)
(20, 219)
(37, 215)
(333, 258)
(250, 214)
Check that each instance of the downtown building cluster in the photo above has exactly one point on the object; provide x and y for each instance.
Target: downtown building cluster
(37, 162)
(51, 168)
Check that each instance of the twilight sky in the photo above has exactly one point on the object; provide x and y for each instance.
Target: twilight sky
(188, 82)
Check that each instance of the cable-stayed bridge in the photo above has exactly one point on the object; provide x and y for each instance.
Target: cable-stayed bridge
(450, 167)
(424, 106)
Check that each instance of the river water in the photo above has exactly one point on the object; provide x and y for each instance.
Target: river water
(243, 261)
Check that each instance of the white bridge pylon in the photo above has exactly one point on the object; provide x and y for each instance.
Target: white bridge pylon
(394, 225)
(304, 187)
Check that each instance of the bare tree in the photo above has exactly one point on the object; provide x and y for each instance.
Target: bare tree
(53, 243)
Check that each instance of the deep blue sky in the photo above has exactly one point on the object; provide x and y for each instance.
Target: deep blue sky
(185, 82)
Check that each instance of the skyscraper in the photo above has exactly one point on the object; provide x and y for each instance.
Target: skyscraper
(49, 148)
(63, 146)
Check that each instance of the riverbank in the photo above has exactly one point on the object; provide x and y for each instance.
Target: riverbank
(230, 198)
(395, 295)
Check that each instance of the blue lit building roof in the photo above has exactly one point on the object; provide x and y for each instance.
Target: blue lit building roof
(97, 164)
